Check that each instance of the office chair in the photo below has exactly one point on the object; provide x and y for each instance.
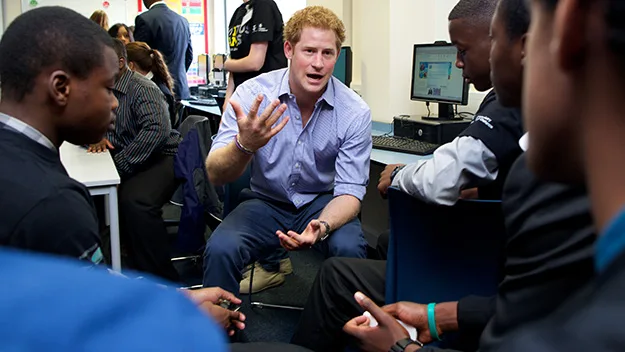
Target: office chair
(440, 253)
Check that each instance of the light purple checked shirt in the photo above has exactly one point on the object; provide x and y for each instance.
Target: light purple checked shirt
(331, 152)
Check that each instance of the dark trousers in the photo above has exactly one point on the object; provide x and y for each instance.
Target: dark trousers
(249, 233)
(265, 346)
(141, 198)
(331, 302)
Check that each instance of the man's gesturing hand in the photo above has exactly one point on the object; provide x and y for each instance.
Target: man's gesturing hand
(255, 131)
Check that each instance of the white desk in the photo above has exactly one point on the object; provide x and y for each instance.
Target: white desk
(98, 173)
(213, 110)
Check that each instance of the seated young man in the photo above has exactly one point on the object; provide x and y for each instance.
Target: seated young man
(54, 89)
(576, 128)
(59, 88)
(143, 146)
(309, 168)
(548, 251)
(481, 156)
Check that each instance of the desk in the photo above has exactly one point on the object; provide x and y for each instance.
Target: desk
(387, 157)
(98, 173)
(213, 110)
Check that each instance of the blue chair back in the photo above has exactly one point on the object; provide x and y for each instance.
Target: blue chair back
(232, 190)
(438, 253)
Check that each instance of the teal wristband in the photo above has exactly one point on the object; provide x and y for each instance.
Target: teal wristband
(432, 322)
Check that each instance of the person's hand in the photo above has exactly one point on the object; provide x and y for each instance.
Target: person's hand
(100, 147)
(412, 314)
(374, 339)
(224, 317)
(471, 193)
(385, 179)
(255, 131)
(211, 294)
(208, 299)
(292, 241)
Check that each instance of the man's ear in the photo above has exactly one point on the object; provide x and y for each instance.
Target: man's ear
(569, 39)
(122, 63)
(288, 50)
(59, 87)
(523, 43)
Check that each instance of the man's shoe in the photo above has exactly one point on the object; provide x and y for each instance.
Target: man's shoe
(285, 266)
(262, 280)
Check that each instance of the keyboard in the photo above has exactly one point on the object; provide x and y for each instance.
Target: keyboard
(403, 145)
(204, 102)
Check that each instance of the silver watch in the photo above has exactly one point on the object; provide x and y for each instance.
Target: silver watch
(328, 230)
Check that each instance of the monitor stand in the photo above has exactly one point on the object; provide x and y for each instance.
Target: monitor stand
(445, 113)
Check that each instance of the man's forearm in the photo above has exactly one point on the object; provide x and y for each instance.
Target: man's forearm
(226, 164)
(340, 211)
(245, 64)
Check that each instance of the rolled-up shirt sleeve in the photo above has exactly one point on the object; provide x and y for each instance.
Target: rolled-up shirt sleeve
(352, 162)
(463, 163)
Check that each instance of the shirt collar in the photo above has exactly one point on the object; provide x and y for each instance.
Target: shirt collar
(150, 75)
(123, 81)
(27, 130)
(611, 243)
(327, 96)
(158, 3)
(524, 142)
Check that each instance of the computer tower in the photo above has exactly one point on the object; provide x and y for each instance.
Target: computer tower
(431, 131)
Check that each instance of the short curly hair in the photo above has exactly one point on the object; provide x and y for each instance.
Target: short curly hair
(316, 17)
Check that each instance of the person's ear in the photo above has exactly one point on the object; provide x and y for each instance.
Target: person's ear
(569, 33)
(131, 66)
(59, 87)
(523, 43)
(288, 50)
(122, 63)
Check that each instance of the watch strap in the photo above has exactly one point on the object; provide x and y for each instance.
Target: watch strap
(401, 345)
(395, 171)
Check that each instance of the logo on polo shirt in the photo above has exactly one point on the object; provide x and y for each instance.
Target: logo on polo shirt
(485, 120)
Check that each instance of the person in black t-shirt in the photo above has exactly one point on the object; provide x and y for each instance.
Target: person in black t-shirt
(255, 41)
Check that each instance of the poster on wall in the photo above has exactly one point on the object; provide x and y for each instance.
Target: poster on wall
(195, 12)
(115, 9)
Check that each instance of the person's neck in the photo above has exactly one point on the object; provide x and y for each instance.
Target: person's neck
(32, 115)
(603, 147)
(305, 101)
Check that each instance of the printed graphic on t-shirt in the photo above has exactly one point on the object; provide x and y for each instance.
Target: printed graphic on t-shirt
(236, 34)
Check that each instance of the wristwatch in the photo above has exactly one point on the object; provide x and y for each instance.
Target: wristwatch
(328, 230)
(401, 345)
(396, 170)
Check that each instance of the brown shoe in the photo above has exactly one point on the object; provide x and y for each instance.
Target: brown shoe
(262, 280)
(285, 266)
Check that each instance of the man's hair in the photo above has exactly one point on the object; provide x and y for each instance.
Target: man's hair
(120, 49)
(316, 17)
(46, 37)
(516, 16)
(473, 10)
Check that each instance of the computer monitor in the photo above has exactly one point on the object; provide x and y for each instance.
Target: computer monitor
(343, 66)
(203, 69)
(435, 78)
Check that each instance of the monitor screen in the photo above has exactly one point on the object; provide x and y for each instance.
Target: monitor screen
(435, 76)
(203, 69)
(343, 66)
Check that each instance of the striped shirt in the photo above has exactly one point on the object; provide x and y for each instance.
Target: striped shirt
(331, 152)
(142, 126)
(19, 126)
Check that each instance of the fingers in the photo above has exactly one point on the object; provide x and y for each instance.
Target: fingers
(223, 294)
(276, 114)
(279, 127)
(238, 111)
(357, 327)
(391, 309)
(287, 242)
(255, 105)
(270, 109)
(367, 304)
(109, 144)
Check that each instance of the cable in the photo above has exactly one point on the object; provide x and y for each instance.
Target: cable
(427, 105)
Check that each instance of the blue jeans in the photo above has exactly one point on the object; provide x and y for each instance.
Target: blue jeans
(249, 233)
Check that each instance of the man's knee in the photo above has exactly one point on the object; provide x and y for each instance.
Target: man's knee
(223, 243)
(348, 241)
